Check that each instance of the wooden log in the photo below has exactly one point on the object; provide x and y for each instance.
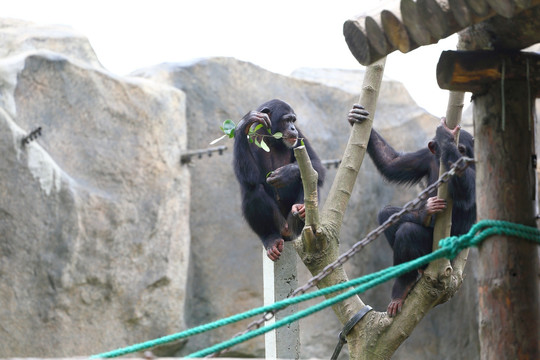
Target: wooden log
(479, 7)
(415, 26)
(475, 71)
(357, 40)
(396, 32)
(427, 21)
(500, 33)
(507, 266)
(438, 17)
(506, 8)
(376, 35)
(523, 4)
(462, 13)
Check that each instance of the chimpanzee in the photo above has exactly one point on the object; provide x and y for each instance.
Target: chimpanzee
(270, 182)
(412, 236)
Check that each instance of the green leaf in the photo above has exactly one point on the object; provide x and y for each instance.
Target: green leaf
(257, 127)
(268, 174)
(302, 142)
(228, 128)
(250, 138)
(277, 135)
(257, 142)
(264, 146)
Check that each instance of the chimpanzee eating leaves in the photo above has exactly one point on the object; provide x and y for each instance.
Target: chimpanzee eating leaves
(412, 236)
(270, 182)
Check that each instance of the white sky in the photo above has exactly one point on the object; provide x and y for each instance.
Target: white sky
(277, 35)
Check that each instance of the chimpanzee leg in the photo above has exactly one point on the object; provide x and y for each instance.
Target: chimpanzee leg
(411, 241)
(262, 214)
(385, 214)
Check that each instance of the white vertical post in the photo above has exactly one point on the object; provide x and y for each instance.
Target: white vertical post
(279, 280)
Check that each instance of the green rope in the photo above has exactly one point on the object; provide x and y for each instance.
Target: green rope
(449, 248)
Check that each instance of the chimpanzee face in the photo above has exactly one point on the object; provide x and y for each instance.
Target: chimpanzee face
(282, 117)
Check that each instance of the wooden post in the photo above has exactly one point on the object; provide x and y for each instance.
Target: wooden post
(508, 267)
(279, 280)
(505, 85)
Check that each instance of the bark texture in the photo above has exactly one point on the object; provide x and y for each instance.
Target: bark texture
(508, 267)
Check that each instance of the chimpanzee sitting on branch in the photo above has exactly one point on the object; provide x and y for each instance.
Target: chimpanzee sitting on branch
(412, 236)
(270, 182)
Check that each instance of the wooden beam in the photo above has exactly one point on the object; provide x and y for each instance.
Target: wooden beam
(396, 32)
(505, 183)
(376, 36)
(407, 24)
(356, 37)
(438, 17)
(475, 71)
(506, 8)
(479, 7)
(411, 19)
(462, 13)
(500, 33)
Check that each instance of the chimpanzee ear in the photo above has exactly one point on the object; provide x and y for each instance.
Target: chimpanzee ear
(265, 110)
(432, 146)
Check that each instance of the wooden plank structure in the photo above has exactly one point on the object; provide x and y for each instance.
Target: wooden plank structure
(407, 24)
(505, 82)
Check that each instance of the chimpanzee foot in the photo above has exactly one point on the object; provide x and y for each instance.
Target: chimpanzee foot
(274, 251)
(397, 303)
(394, 307)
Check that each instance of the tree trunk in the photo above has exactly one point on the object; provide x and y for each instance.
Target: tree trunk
(505, 182)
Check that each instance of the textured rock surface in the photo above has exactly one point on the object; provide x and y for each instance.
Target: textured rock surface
(94, 233)
(225, 267)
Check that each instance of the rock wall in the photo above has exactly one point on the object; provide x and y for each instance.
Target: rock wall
(94, 214)
(105, 233)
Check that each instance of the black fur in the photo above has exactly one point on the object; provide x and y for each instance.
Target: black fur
(412, 236)
(267, 202)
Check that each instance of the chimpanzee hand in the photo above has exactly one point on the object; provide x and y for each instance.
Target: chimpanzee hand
(283, 176)
(435, 205)
(300, 210)
(357, 114)
(447, 131)
(257, 117)
(274, 251)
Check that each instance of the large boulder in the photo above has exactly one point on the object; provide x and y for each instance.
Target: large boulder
(94, 214)
(225, 267)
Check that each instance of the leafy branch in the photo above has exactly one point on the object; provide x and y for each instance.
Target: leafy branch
(253, 135)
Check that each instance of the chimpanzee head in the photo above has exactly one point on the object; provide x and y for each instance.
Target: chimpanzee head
(443, 134)
(282, 117)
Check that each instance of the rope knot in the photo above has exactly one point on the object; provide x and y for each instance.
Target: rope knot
(452, 244)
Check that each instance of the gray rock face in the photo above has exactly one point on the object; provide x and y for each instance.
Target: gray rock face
(106, 240)
(94, 232)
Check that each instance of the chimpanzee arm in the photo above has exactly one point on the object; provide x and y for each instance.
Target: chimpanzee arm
(402, 168)
(290, 173)
(245, 161)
